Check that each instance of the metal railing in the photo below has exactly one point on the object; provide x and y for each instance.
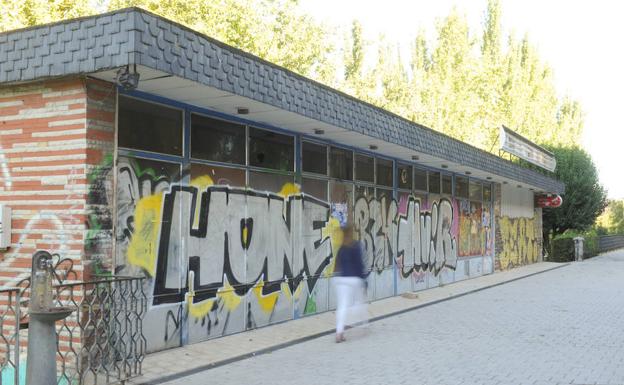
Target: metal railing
(101, 342)
(9, 336)
(611, 242)
(108, 317)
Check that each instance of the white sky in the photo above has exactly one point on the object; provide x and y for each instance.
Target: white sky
(583, 41)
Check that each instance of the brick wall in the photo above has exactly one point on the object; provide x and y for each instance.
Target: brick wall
(53, 137)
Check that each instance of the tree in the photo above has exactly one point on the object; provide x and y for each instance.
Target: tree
(451, 76)
(611, 220)
(354, 55)
(391, 79)
(462, 83)
(584, 199)
(18, 14)
(490, 46)
(275, 30)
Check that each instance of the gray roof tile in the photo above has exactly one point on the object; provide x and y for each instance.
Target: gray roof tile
(135, 36)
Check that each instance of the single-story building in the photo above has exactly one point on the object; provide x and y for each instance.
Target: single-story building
(131, 145)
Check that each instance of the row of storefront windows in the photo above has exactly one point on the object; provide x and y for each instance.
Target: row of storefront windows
(242, 155)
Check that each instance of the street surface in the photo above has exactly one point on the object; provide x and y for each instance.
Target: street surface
(561, 327)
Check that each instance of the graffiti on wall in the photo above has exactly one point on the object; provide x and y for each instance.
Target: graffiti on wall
(519, 241)
(486, 226)
(472, 235)
(224, 259)
(424, 239)
(99, 223)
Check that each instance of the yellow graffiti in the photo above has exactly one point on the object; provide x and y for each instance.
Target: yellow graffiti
(520, 242)
(289, 189)
(266, 302)
(245, 236)
(334, 232)
(143, 247)
(229, 297)
(226, 294)
(198, 310)
(201, 183)
(143, 252)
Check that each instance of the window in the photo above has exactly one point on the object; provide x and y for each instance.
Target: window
(385, 175)
(434, 182)
(264, 181)
(149, 127)
(405, 176)
(422, 198)
(487, 193)
(420, 179)
(216, 140)
(340, 163)
(447, 184)
(365, 168)
(461, 187)
(271, 150)
(341, 198)
(364, 192)
(218, 175)
(315, 187)
(476, 191)
(386, 196)
(314, 158)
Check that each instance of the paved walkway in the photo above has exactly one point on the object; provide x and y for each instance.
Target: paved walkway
(561, 327)
(197, 358)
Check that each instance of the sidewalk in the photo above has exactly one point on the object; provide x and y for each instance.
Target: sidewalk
(175, 363)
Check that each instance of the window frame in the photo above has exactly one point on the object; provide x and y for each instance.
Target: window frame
(258, 168)
(303, 172)
(137, 151)
(392, 167)
(190, 145)
(341, 148)
(355, 168)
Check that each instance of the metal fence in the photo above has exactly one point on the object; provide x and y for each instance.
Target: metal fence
(611, 242)
(101, 342)
(9, 336)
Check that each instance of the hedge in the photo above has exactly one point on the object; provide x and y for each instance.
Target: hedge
(562, 246)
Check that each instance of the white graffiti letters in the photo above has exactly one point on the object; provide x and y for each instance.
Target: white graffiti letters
(424, 240)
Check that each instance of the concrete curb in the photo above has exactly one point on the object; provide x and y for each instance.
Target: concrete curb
(295, 341)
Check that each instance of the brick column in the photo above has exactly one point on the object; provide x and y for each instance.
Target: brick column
(43, 150)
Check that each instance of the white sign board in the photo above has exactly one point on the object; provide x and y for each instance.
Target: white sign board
(525, 149)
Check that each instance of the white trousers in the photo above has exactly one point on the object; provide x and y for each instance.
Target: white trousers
(350, 301)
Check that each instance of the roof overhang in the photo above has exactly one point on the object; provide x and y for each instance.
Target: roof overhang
(182, 65)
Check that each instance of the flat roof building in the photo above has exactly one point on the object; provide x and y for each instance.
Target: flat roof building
(225, 179)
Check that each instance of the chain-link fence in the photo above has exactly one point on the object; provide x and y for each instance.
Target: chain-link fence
(101, 342)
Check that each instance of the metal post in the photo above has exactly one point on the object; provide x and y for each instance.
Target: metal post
(41, 357)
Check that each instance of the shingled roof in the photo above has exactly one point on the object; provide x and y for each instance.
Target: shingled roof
(135, 36)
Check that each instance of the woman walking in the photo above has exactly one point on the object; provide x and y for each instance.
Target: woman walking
(350, 284)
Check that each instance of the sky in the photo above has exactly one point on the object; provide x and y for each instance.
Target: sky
(580, 40)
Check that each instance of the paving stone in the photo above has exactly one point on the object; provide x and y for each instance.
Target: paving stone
(562, 326)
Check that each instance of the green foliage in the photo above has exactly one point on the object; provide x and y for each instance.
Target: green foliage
(563, 245)
(463, 91)
(463, 83)
(275, 30)
(25, 13)
(584, 199)
(562, 250)
(611, 221)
